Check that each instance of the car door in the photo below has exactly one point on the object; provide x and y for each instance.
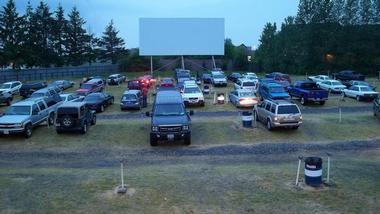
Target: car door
(36, 116)
(233, 97)
(44, 112)
(260, 110)
(237, 84)
(352, 91)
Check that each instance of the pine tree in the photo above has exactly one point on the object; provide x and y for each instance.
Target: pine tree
(337, 11)
(321, 11)
(76, 38)
(304, 14)
(111, 44)
(29, 48)
(10, 30)
(351, 12)
(59, 29)
(265, 56)
(376, 11)
(366, 13)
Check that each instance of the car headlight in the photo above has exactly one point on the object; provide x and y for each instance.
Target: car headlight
(19, 125)
(185, 127)
(155, 128)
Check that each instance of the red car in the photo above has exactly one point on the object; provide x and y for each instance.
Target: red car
(88, 88)
(167, 82)
(146, 80)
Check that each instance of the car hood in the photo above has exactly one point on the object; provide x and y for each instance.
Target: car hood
(1, 90)
(196, 95)
(8, 119)
(220, 79)
(170, 120)
(279, 95)
(83, 90)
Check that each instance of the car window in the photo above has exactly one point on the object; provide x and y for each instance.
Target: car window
(288, 109)
(273, 109)
(267, 107)
(35, 109)
(41, 105)
(82, 110)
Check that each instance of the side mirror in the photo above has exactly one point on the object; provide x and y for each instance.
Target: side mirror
(147, 114)
(191, 112)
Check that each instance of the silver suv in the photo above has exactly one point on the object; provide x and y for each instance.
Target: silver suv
(279, 113)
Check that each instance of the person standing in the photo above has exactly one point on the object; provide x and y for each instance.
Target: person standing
(145, 96)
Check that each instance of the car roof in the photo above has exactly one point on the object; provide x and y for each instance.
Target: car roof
(168, 97)
(11, 82)
(244, 90)
(282, 102)
(95, 80)
(271, 84)
(72, 104)
(131, 92)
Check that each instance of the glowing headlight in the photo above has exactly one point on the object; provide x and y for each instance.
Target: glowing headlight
(155, 128)
(185, 127)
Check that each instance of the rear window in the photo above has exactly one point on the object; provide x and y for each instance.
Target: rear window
(65, 111)
(247, 84)
(129, 97)
(288, 109)
(192, 90)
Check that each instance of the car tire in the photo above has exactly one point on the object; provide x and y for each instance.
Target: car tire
(93, 122)
(295, 127)
(203, 104)
(58, 131)
(322, 103)
(101, 108)
(28, 131)
(9, 101)
(329, 91)
(344, 94)
(269, 125)
(153, 140)
(112, 101)
(358, 98)
(84, 129)
(51, 119)
(303, 101)
(187, 139)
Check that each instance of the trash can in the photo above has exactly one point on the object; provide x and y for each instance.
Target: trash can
(206, 89)
(247, 119)
(313, 171)
(220, 98)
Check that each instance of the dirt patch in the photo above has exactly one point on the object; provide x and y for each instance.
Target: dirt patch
(23, 179)
(112, 194)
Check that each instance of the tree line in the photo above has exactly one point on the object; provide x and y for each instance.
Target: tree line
(44, 38)
(325, 35)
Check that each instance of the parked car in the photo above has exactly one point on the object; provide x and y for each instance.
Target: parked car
(167, 82)
(50, 94)
(272, 91)
(218, 79)
(233, 77)
(243, 98)
(348, 75)
(6, 97)
(116, 79)
(62, 84)
(207, 78)
(23, 116)
(358, 83)
(319, 78)
(28, 88)
(74, 116)
(266, 81)
(99, 101)
(97, 81)
(250, 76)
(376, 107)
(88, 88)
(245, 84)
(279, 113)
(192, 95)
(181, 73)
(87, 79)
(169, 119)
(146, 80)
(360, 93)
(332, 86)
(131, 99)
(11, 87)
(71, 97)
(134, 84)
(308, 91)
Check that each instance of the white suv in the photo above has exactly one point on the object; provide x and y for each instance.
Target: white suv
(11, 87)
(246, 84)
(192, 95)
(218, 79)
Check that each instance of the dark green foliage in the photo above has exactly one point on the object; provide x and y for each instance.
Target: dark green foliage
(111, 45)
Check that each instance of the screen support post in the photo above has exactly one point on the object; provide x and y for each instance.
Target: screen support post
(151, 66)
(213, 62)
(183, 62)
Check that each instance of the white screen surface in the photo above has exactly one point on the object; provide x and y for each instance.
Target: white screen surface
(181, 36)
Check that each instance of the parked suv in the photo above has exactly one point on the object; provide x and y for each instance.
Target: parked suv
(27, 89)
(279, 113)
(11, 87)
(348, 75)
(74, 116)
(6, 97)
(169, 119)
(192, 95)
(218, 79)
(22, 116)
(131, 99)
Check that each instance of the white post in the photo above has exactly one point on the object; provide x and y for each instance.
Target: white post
(183, 62)
(328, 169)
(122, 174)
(298, 170)
(213, 62)
(151, 66)
(340, 114)
(255, 115)
(214, 97)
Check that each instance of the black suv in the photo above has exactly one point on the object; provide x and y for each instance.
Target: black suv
(170, 121)
(28, 88)
(348, 75)
(74, 116)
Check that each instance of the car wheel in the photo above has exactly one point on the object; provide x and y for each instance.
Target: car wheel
(358, 98)
(295, 127)
(329, 91)
(112, 101)
(202, 104)
(303, 101)
(58, 131)
(93, 122)
(269, 125)
(153, 140)
(51, 119)
(84, 128)
(187, 139)
(28, 131)
(344, 94)
(101, 108)
(322, 103)
(9, 101)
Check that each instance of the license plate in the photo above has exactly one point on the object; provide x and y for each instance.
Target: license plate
(6, 132)
(170, 136)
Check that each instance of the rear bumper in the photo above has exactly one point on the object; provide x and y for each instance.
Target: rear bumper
(130, 105)
(287, 124)
(11, 131)
(197, 102)
(314, 99)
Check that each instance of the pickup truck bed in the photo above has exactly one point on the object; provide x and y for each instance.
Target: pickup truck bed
(308, 91)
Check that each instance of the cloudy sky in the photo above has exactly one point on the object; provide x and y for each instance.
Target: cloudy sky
(244, 19)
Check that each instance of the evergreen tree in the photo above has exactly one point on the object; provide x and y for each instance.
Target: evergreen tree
(322, 11)
(304, 15)
(337, 11)
(30, 50)
(265, 56)
(376, 11)
(351, 12)
(111, 44)
(10, 34)
(59, 29)
(76, 38)
(366, 13)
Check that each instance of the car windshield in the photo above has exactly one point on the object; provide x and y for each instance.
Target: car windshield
(129, 97)
(91, 98)
(192, 90)
(336, 83)
(34, 95)
(18, 110)
(5, 86)
(169, 110)
(246, 94)
(218, 76)
(247, 84)
(288, 109)
(277, 89)
(365, 89)
(86, 86)
(362, 83)
(59, 82)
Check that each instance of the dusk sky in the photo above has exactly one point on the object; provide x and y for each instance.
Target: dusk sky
(244, 19)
